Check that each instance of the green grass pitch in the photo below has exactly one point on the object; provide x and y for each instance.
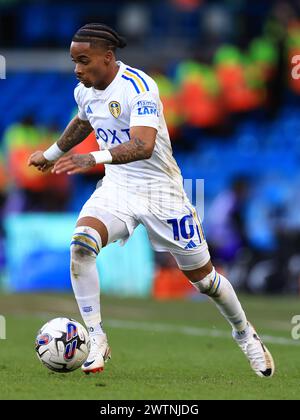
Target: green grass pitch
(160, 350)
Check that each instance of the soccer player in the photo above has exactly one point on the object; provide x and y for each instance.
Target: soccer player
(143, 184)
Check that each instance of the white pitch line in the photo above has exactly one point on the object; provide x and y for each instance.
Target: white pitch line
(182, 329)
(186, 330)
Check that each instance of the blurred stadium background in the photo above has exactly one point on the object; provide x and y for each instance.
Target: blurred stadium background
(227, 73)
(224, 69)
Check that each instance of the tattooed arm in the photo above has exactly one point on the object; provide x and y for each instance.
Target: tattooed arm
(76, 131)
(139, 147)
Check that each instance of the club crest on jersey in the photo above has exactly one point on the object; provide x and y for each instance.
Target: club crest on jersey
(115, 109)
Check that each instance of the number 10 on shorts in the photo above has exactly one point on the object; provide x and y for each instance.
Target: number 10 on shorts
(185, 228)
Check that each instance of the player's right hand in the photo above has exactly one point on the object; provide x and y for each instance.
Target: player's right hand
(38, 160)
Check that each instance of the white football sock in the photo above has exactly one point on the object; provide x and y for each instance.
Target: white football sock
(219, 289)
(85, 246)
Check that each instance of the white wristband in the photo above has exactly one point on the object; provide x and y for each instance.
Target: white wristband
(103, 156)
(53, 153)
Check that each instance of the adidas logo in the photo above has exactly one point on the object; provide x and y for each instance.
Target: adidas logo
(89, 111)
(190, 245)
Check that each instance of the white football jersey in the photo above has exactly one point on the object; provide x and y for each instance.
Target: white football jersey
(132, 99)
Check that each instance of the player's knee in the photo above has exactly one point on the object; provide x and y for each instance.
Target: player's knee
(203, 273)
(206, 284)
(85, 246)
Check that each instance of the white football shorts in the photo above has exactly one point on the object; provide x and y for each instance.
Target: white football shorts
(171, 221)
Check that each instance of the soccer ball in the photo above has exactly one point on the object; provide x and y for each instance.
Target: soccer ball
(62, 345)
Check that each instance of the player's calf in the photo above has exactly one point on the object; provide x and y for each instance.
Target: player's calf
(85, 247)
(219, 289)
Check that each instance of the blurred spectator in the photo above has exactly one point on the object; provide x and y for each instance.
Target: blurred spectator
(240, 80)
(200, 94)
(217, 24)
(169, 97)
(134, 22)
(29, 189)
(226, 221)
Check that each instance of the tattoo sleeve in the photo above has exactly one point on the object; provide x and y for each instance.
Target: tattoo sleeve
(135, 149)
(76, 131)
(84, 161)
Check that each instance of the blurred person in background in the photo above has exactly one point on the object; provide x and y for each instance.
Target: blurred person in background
(226, 219)
(122, 105)
(29, 190)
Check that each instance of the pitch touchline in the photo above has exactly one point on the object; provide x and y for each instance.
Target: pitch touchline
(186, 330)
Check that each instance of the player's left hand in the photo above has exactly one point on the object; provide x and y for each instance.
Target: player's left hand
(74, 164)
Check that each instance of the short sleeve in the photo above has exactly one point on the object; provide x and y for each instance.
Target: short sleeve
(144, 110)
(81, 112)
